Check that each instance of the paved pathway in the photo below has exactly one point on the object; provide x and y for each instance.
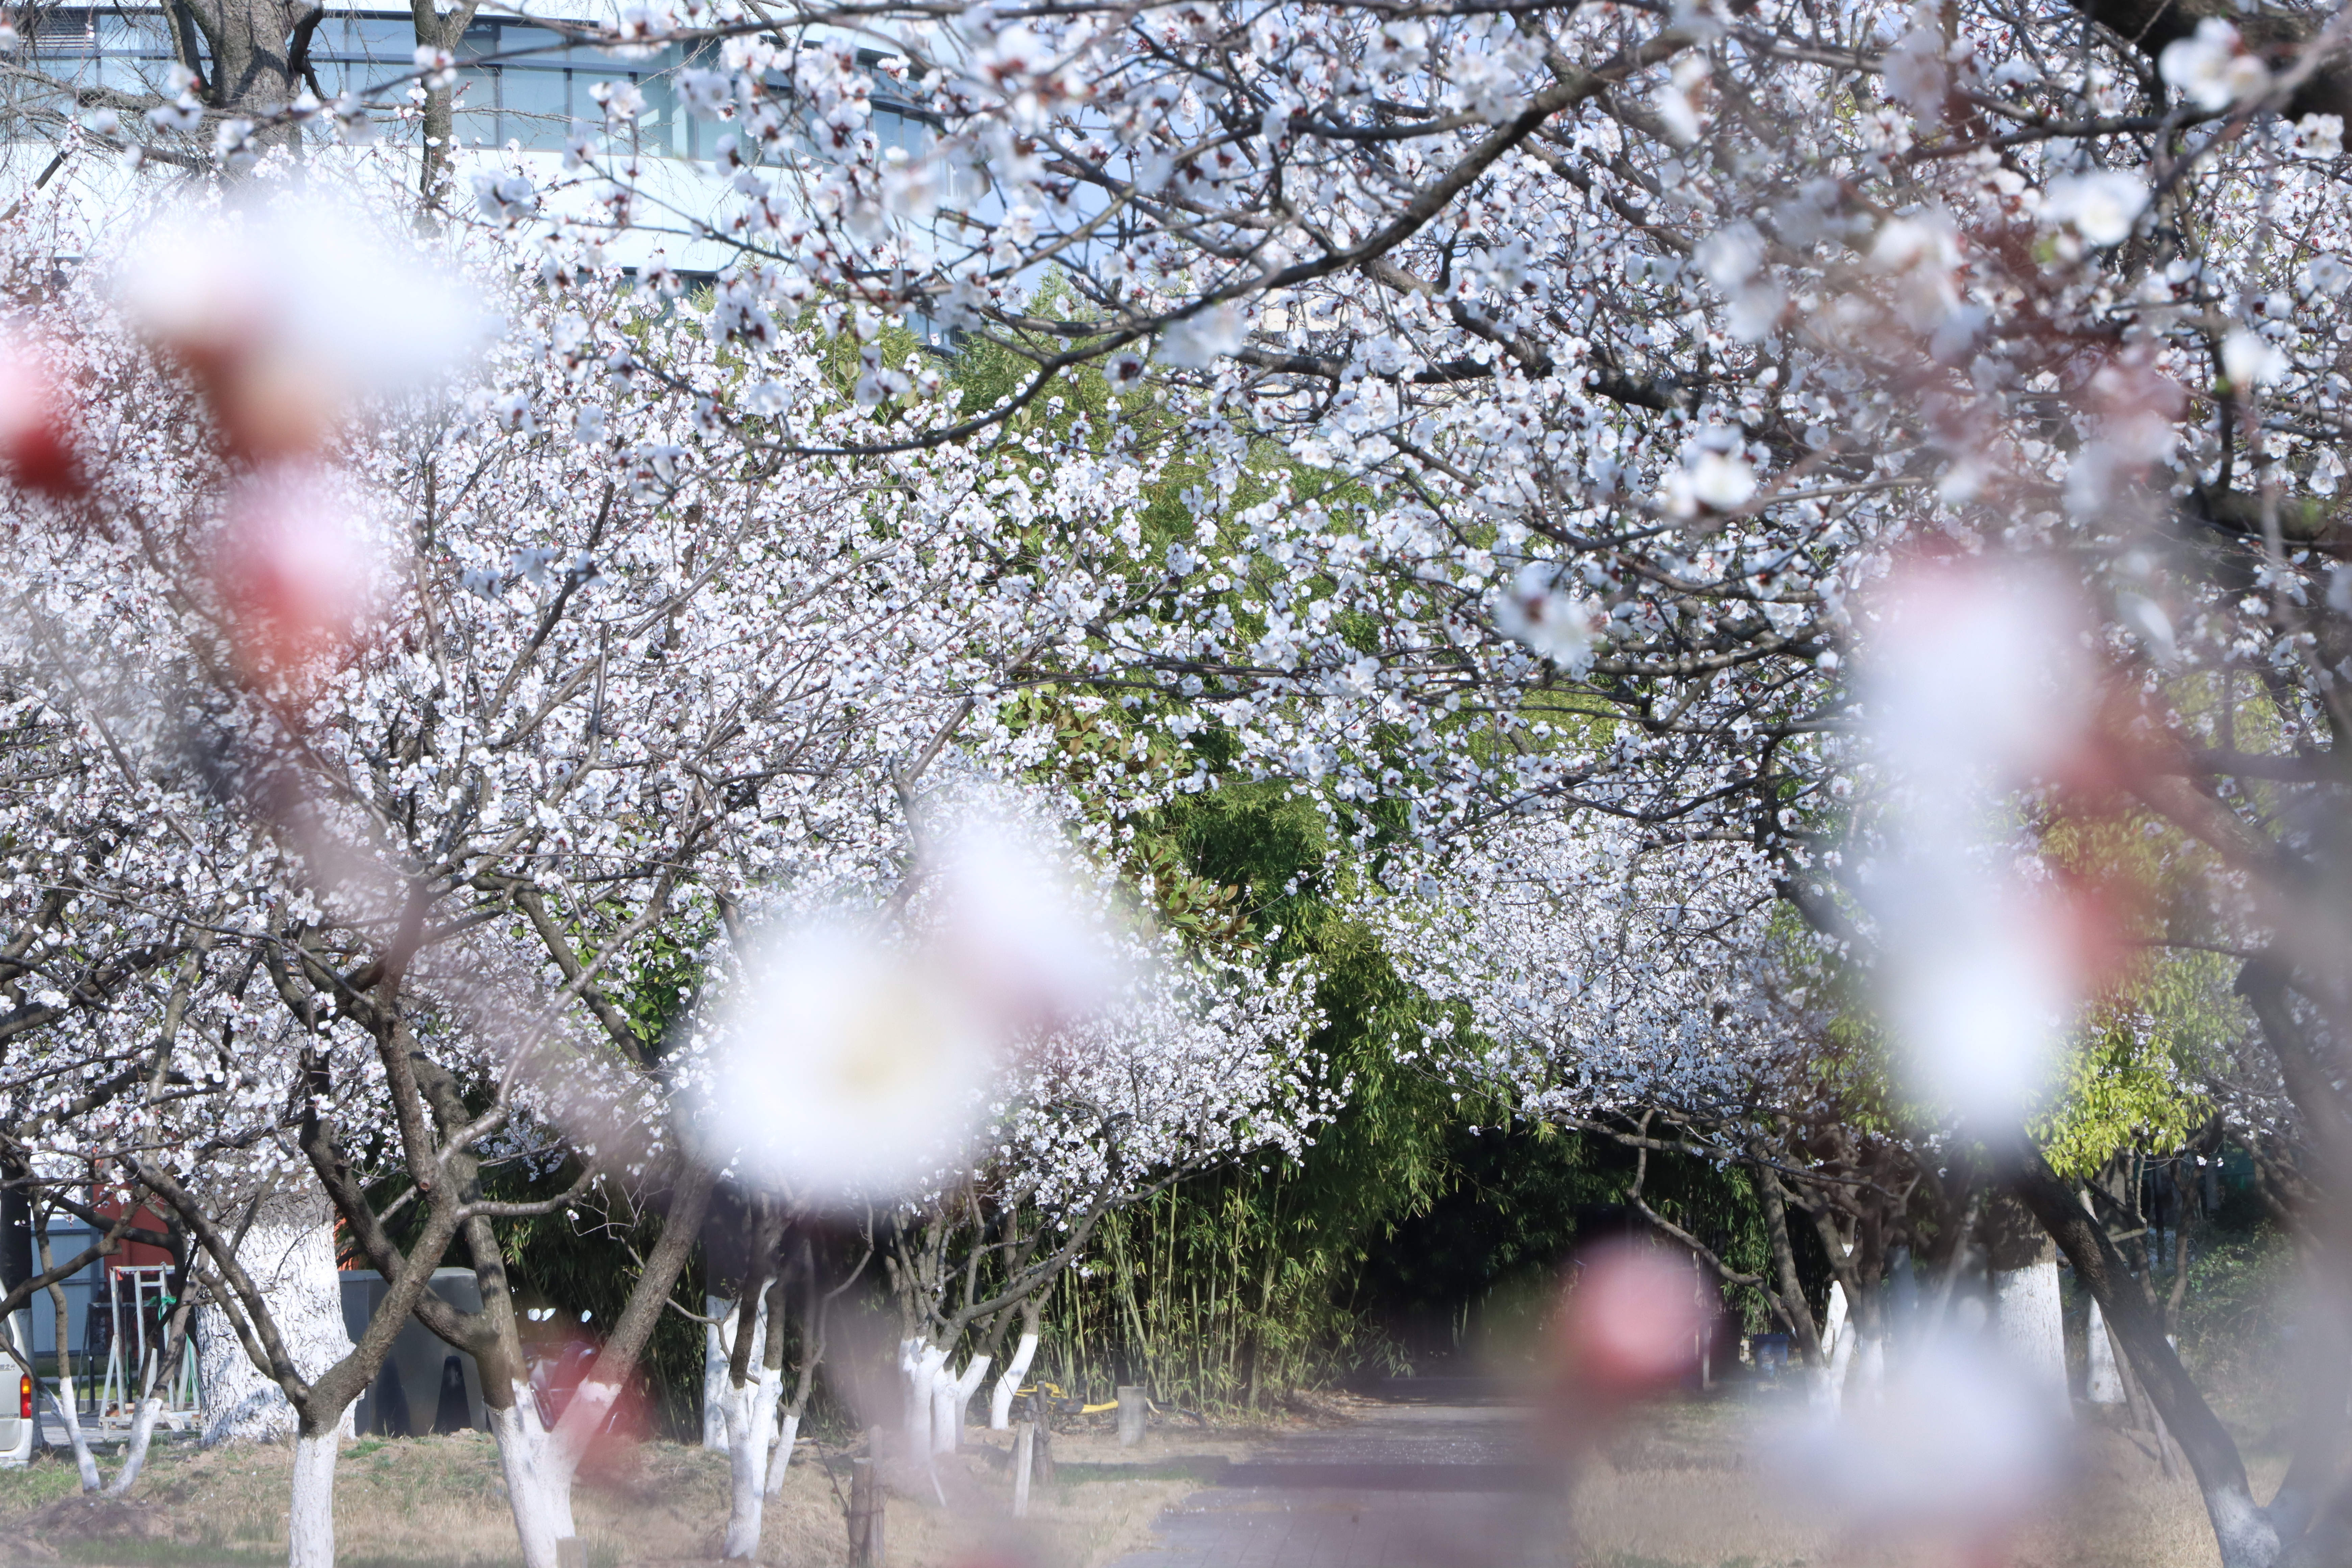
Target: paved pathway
(1413, 1486)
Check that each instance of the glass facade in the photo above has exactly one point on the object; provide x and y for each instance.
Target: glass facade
(518, 82)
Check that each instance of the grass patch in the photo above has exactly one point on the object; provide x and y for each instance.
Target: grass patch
(1206, 1469)
(47, 1479)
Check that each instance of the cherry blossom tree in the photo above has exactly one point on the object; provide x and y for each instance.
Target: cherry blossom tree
(1194, 1067)
(468, 765)
(1126, 1063)
(1565, 386)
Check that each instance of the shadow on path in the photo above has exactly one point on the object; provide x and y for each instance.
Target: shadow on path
(1421, 1485)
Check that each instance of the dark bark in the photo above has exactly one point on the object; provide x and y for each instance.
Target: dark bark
(247, 45)
(1784, 1265)
(2280, 36)
(438, 30)
(2247, 1537)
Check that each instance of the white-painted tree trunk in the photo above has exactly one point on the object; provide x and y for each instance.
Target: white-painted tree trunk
(918, 1390)
(1833, 1320)
(1827, 1380)
(1902, 1294)
(952, 1403)
(1869, 1378)
(921, 1363)
(134, 1452)
(1829, 1393)
(944, 1424)
(290, 1253)
(64, 1401)
(2028, 1320)
(311, 1519)
(788, 1432)
(2240, 1529)
(1000, 1398)
(718, 1344)
(538, 1485)
(751, 1413)
(2104, 1384)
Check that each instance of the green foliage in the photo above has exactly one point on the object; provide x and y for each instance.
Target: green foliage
(656, 979)
(1242, 1282)
(2234, 1331)
(2132, 1074)
(585, 1259)
(2235, 1289)
(1401, 1230)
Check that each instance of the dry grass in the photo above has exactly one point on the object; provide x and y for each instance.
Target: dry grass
(1680, 1489)
(437, 1502)
(1683, 1489)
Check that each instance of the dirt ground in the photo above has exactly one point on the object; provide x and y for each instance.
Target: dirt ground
(1680, 1488)
(1685, 1486)
(439, 1502)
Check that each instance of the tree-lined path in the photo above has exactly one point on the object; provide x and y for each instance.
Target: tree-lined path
(1415, 1485)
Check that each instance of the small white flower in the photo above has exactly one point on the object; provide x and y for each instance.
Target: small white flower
(1677, 106)
(2248, 359)
(2319, 137)
(1398, 45)
(2212, 69)
(1196, 341)
(231, 138)
(621, 100)
(2148, 622)
(911, 188)
(2102, 205)
(183, 114)
(350, 117)
(2326, 472)
(439, 65)
(1537, 611)
(1710, 481)
(1124, 369)
(707, 95)
(1729, 256)
(505, 198)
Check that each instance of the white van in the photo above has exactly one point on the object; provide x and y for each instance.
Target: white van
(19, 1424)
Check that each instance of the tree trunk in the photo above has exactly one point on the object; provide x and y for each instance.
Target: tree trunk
(1797, 1311)
(554, 1461)
(2102, 1384)
(951, 1404)
(440, 30)
(151, 1406)
(67, 1400)
(1837, 1345)
(2027, 1317)
(717, 1335)
(251, 71)
(1000, 1399)
(310, 1520)
(2320, 1372)
(718, 1373)
(788, 1431)
(921, 1364)
(289, 1251)
(751, 1411)
(539, 1487)
(2244, 1533)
